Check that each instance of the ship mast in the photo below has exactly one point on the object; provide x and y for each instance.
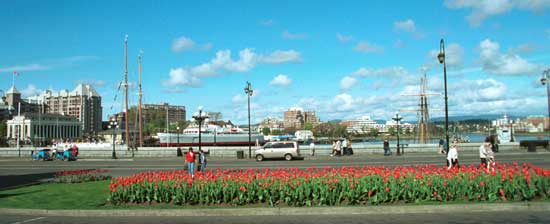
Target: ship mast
(126, 90)
(140, 96)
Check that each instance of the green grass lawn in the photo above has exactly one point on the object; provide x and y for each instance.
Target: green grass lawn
(90, 195)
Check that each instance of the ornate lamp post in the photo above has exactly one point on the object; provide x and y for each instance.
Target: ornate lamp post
(178, 135)
(200, 116)
(248, 91)
(441, 58)
(544, 81)
(397, 119)
(113, 125)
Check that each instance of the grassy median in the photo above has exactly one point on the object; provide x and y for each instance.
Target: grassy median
(89, 195)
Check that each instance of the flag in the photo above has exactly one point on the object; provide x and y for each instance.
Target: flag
(15, 73)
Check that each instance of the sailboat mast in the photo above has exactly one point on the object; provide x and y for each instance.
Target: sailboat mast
(139, 107)
(126, 89)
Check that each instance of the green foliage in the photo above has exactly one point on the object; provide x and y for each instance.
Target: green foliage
(392, 131)
(308, 126)
(266, 131)
(331, 130)
(373, 132)
(276, 132)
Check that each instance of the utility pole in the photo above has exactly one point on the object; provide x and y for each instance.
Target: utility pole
(140, 97)
(127, 134)
(18, 132)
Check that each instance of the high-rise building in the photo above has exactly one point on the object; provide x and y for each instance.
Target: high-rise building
(83, 103)
(175, 113)
(296, 117)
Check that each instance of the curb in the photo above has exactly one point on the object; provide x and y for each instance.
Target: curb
(356, 210)
(106, 160)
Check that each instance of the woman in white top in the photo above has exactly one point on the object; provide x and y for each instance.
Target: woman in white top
(452, 156)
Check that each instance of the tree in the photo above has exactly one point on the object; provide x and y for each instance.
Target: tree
(266, 131)
(392, 131)
(290, 130)
(373, 132)
(276, 132)
(308, 126)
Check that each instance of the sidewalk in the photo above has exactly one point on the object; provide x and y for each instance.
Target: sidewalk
(284, 211)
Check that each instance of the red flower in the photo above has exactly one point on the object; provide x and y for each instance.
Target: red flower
(387, 189)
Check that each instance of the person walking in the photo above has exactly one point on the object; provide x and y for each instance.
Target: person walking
(344, 147)
(202, 161)
(312, 148)
(387, 151)
(190, 160)
(441, 142)
(491, 160)
(338, 148)
(350, 149)
(483, 151)
(452, 156)
(333, 148)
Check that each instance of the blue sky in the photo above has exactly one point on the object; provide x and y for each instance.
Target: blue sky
(343, 59)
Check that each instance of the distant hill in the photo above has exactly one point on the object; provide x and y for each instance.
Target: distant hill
(477, 117)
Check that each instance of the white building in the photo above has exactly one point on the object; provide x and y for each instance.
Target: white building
(362, 125)
(403, 127)
(43, 126)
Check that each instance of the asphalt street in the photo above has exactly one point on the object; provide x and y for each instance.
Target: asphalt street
(18, 172)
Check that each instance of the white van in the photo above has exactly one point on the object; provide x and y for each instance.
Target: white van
(286, 149)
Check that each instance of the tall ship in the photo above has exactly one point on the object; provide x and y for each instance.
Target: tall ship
(212, 134)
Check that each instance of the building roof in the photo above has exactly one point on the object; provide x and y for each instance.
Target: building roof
(12, 90)
(84, 90)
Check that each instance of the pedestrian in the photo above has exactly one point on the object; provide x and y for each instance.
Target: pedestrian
(483, 151)
(387, 151)
(338, 147)
(345, 146)
(441, 142)
(490, 160)
(350, 149)
(190, 159)
(312, 148)
(452, 156)
(333, 148)
(202, 161)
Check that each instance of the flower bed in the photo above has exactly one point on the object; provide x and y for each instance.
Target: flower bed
(79, 176)
(334, 186)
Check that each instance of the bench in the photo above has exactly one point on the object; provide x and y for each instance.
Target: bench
(532, 144)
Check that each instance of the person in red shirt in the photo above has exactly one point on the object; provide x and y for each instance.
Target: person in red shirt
(190, 159)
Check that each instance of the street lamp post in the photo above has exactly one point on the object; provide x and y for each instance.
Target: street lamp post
(200, 116)
(397, 119)
(178, 135)
(248, 90)
(441, 58)
(113, 125)
(544, 81)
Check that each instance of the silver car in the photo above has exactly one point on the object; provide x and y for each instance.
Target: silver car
(286, 149)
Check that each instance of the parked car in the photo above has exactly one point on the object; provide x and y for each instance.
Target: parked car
(272, 150)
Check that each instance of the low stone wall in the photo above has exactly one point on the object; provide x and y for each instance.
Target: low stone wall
(231, 152)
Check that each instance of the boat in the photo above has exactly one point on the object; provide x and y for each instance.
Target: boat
(211, 135)
(504, 129)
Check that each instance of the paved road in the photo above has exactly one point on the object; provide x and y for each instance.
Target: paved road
(17, 172)
(477, 217)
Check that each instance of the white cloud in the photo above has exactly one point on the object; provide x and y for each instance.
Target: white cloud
(248, 59)
(93, 82)
(480, 90)
(182, 44)
(343, 38)
(207, 46)
(238, 98)
(503, 64)
(390, 72)
(399, 44)
(366, 47)
(281, 80)
(481, 10)
(278, 57)
(49, 64)
(454, 56)
(30, 90)
(347, 83)
(405, 25)
(182, 77)
(268, 22)
(523, 48)
(288, 35)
